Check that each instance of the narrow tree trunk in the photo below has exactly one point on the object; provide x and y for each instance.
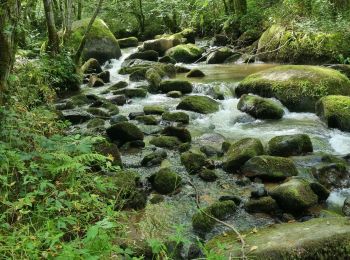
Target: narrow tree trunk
(88, 28)
(142, 17)
(80, 9)
(9, 17)
(53, 42)
(225, 7)
(67, 18)
(240, 7)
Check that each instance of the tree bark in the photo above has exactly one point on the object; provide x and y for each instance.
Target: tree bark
(240, 7)
(80, 9)
(88, 28)
(9, 17)
(53, 42)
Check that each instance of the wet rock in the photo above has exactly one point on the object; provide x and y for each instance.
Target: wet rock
(110, 150)
(95, 123)
(132, 92)
(242, 151)
(138, 75)
(261, 108)
(346, 207)
(186, 53)
(195, 73)
(219, 40)
(321, 191)
(269, 168)
(105, 76)
(233, 58)
(208, 175)
(147, 120)
(184, 87)
(95, 82)
(258, 191)
(181, 69)
(156, 198)
(167, 59)
(294, 196)
(81, 100)
(174, 94)
(180, 132)
(170, 142)
(117, 119)
(91, 66)
(332, 175)
(236, 199)
(119, 100)
(154, 79)
(154, 158)
(118, 85)
(165, 181)
(199, 104)
(76, 116)
(210, 151)
(184, 147)
(179, 117)
(128, 42)
(160, 45)
(65, 105)
(262, 205)
(194, 252)
(193, 162)
(220, 210)
(98, 112)
(288, 145)
(219, 56)
(124, 132)
(133, 115)
(153, 110)
(144, 55)
(335, 111)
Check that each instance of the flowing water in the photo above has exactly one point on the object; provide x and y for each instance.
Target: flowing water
(227, 124)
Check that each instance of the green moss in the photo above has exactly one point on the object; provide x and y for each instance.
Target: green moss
(124, 132)
(264, 205)
(128, 42)
(98, 112)
(208, 175)
(199, 104)
(242, 151)
(153, 78)
(219, 56)
(193, 162)
(147, 120)
(269, 168)
(186, 53)
(96, 122)
(111, 150)
(153, 110)
(170, 142)
(166, 181)
(176, 85)
(298, 87)
(195, 73)
(80, 100)
(324, 238)
(335, 111)
(288, 145)
(180, 117)
(135, 92)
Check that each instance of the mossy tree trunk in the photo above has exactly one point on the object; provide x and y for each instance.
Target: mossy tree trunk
(9, 17)
(53, 47)
(240, 7)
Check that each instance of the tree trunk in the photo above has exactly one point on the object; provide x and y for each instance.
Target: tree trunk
(240, 7)
(88, 28)
(9, 17)
(142, 17)
(80, 9)
(53, 42)
(67, 25)
(225, 7)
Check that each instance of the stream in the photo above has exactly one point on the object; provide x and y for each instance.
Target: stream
(229, 124)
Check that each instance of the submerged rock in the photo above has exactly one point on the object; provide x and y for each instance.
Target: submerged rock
(124, 132)
(288, 145)
(199, 104)
(186, 53)
(298, 87)
(165, 181)
(261, 108)
(335, 111)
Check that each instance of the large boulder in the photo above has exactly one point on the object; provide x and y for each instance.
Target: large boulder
(100, 44)
(261, 108)
(186, 53)
(288, 145)
(199, 104)
(294, 196)
(144, 55)
(124, 132)
(165, 181)
(269, 168)
(180, 132)
(319, 238)
(302, 47)
(335, 111)
(160, 45)
(176, 85)
(242, 151)
(219, 56)
(179, 117)
(298, 87)
(128, 42)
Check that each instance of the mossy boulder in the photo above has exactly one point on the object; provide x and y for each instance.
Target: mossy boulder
(76, 116)
(132, 92)
(174, 94)
(319, 238)
(95, 82)
(269, 168)
(241, 151)
(110, 150)
(193, 162)
(219, 56)
(167, 59)
(176, 85)
(208, 175)
(170, 142)
(160, 45)
(154, 79)
(294, 196)
(195, 73)
(153, 110)
(302, 47)
(179, 117)
(186, 53)
(289, 145)
(199, 104)
(261, 108)
(164, 70)
(202, 223)
(298, 87)
(166, 181)
(335, 111)
(261, 205)
(128, 42)
(180, 132)
(147, 120)
(91, 66)
(100, 44)
(186, 36)
(144, 55)
(124, 132)
(154, 158)
(98, 112)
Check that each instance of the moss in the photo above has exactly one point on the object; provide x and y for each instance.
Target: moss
(80, 100)
(269, 168)
(112, 108)
(335, 111)
(112, 152)
(193, 162)
(149, 55)
(147, 120)
(166, 181)
(174, 94)
(124, 132)
(199, 104)
(261, 205)
(154, 158)
(91, 66)
(288, 145)
(298, 87)
(153, 110)
(153, 78)
(98, 112)
(186, 53)
(128, 42)
(170, 142)
(195, 73)
(208, 175)
(220, 210)
(135, 92)
(118, 85)
(176, 85)
(242, 151)
(302, 47)
(261, 108)
(95, 122)
(219, 56)
(323, 238)
(180, 117)
(167, 59)
(181, 133)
